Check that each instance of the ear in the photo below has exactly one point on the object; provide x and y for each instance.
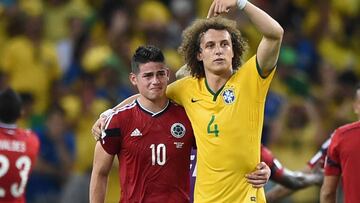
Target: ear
(168, 73)
(199, 56)
(133, 79)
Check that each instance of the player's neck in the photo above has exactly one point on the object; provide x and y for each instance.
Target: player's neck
(154, 106)
(216, 82)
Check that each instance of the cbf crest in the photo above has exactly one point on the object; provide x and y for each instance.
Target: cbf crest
(178, 130)
(228, 96)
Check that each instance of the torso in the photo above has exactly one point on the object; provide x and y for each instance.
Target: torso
(153, 152)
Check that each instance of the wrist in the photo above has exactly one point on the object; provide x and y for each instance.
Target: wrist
(241, 4)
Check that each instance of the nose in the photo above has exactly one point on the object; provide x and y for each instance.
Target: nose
(156, 80)
(218, 50)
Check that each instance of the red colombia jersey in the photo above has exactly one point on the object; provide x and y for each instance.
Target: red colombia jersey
(153, 152)
(18, 152)
(343, 159)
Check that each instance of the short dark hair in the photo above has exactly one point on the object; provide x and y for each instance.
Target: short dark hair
(190, 45)
(145, 54)
(10, 106)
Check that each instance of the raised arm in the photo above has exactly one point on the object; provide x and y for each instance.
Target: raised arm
(269, 47)
(99, 175)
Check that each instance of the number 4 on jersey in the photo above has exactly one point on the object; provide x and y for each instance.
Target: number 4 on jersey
(212, 127)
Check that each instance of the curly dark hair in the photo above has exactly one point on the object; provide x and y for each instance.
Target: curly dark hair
(190, 45)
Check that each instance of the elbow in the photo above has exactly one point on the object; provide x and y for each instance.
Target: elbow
(327, 195)
(279, 32)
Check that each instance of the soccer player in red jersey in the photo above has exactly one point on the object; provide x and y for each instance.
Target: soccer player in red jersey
(18, 150)
(152, 138)
(343, 161)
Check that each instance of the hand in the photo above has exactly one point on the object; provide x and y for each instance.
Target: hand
(259, 177)
(220, 6)
(98, 127)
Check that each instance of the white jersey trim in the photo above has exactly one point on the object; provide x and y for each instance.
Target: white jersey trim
(108, 119)
(9, 126)
(154, 113)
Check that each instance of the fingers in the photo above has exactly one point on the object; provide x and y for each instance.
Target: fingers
(259, 177)
(217, 7)
(265, 169)
(211, 10)
(97, 128)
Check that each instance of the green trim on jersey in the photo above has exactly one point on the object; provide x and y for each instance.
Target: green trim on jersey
(259, 70)
(214, 94)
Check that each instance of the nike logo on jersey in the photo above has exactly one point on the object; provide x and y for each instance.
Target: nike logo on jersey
(136, 133)
(194, 100)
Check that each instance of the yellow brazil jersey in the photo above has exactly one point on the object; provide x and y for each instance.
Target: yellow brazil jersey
(227, 127)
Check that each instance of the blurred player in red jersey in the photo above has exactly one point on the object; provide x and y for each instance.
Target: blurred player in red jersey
(343, 161)
(18, 150)
(316, 163)
(152, 138)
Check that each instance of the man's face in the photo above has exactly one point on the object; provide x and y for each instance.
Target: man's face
(216, 51)
(151, 80)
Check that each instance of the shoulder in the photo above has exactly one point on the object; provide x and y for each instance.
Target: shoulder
(31, 135)
(125, 110)
(121, 116)
(348, 128)
(176, 107)
(251, 62)
(183, 82)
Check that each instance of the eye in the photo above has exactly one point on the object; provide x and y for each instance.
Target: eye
(147, 75)
(209, 45)
(161, 73)
(225, 43)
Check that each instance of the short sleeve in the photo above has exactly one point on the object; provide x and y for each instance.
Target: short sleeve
(111, 139)
(332, 162)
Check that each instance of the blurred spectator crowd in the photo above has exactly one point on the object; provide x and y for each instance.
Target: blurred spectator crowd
(70, 60)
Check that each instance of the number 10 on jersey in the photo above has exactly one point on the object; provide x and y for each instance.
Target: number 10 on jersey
(158, 154)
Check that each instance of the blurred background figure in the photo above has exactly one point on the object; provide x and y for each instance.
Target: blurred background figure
(55, 159)
(18, 149)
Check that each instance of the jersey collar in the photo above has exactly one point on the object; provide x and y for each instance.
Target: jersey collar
(9, 126)
(153, 114)
(215, 94)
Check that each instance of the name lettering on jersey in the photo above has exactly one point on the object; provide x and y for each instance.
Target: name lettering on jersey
(178, 145)
(12, 145)
(228, 96)
(178, 130)
(136, 133)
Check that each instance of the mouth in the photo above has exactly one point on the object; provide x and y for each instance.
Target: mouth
(219, 60)
(156, 89)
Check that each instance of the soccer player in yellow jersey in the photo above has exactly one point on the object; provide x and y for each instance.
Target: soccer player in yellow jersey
(225, 99)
